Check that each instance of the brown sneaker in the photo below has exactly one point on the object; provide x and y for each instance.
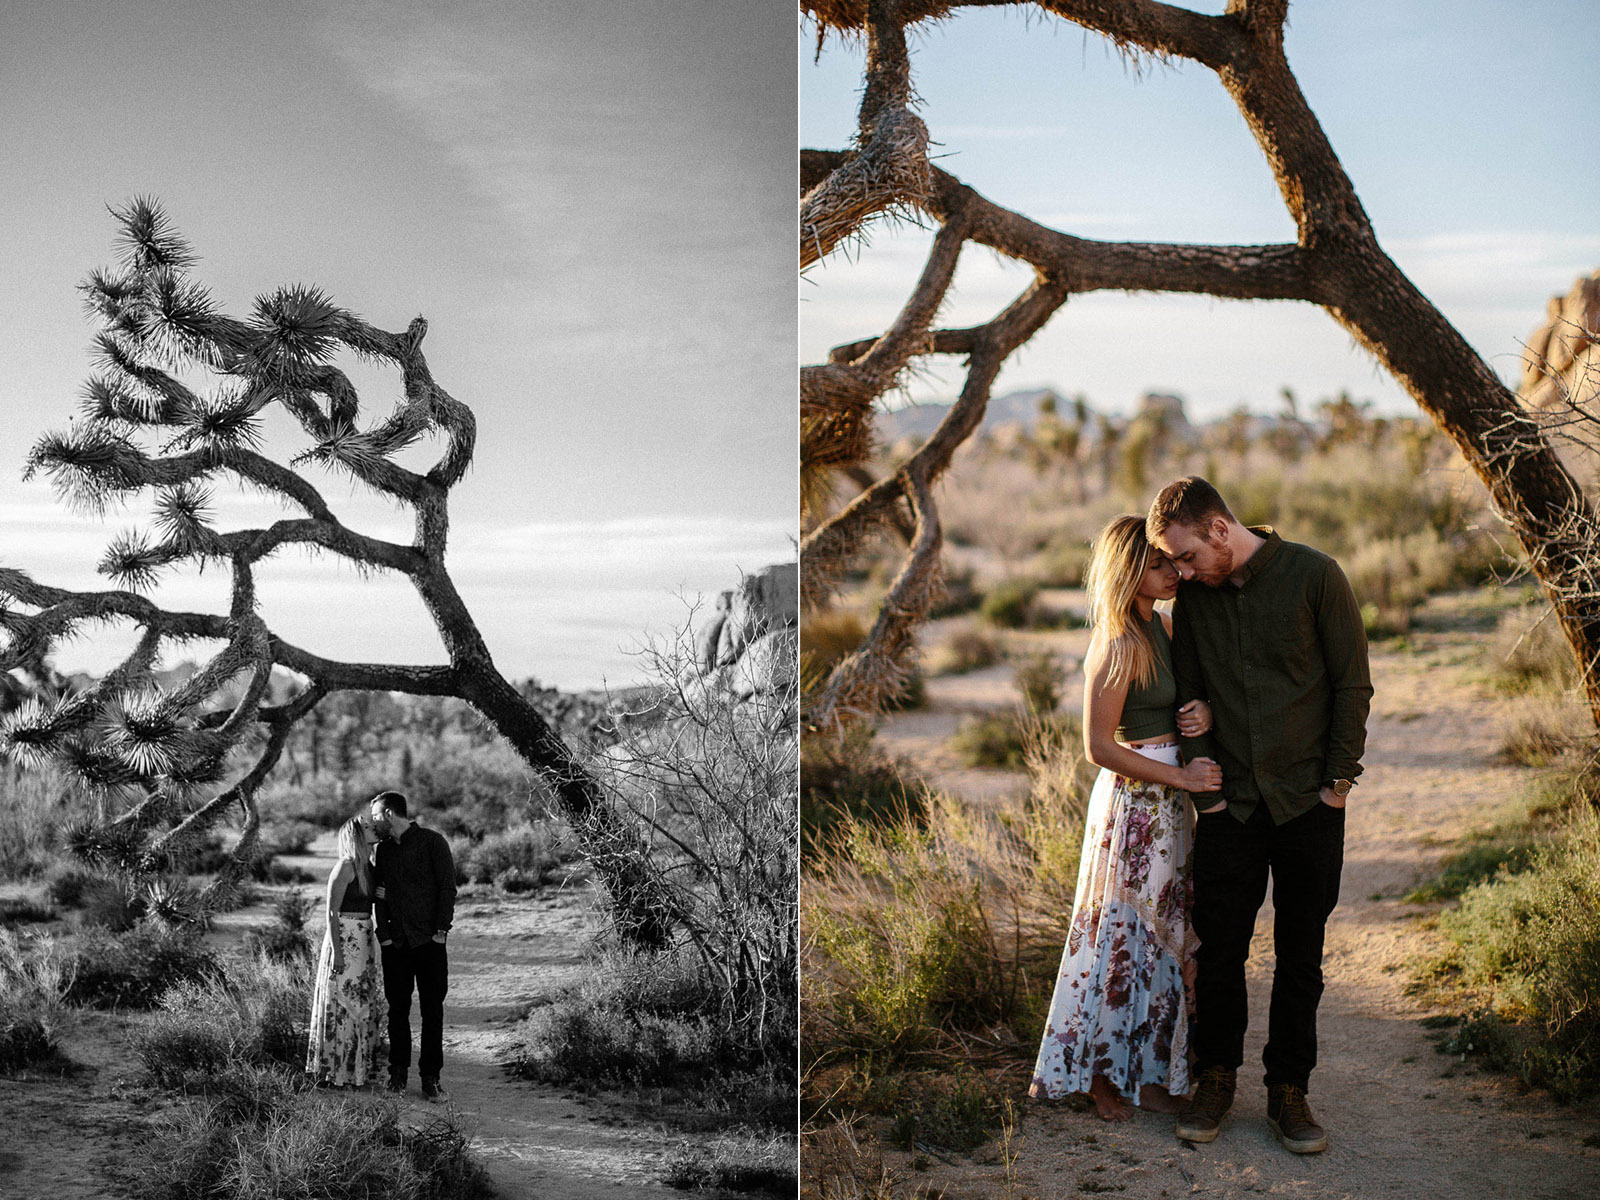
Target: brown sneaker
(1212, 1100)
(1291, 1119)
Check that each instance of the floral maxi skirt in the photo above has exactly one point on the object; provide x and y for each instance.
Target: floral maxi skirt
(348, 1013)
(1121, 1008)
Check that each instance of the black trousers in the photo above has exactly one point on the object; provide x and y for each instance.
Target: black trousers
(1232, 860)
(423, 969)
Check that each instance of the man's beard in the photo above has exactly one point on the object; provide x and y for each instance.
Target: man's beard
(1221, 569)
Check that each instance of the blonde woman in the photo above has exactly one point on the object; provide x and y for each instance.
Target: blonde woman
(1119, 1020)
(347, 1005)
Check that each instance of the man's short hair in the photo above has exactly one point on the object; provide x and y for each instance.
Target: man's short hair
(392, 802)
(1190, 501)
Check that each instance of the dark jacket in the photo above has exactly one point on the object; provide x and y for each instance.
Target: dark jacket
(415, 878)
(1283, 662)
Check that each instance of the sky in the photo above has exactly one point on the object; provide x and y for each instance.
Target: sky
(1467, 128)
(593, 205)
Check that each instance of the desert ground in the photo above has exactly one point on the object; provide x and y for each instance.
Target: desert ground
(508, 954)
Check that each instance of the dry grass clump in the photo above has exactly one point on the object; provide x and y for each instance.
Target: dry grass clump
(1530, 660)
(33, 808)
(255, 1013)
(919, 937)
(259, 1135)
(844, 775)
(33, 1011)
(1529, 652)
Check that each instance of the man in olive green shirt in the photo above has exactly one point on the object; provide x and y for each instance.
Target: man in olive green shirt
(1269, 633)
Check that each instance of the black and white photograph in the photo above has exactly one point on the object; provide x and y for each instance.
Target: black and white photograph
(398, 600)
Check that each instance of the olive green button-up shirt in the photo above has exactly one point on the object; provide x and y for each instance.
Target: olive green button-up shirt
(1282, 660)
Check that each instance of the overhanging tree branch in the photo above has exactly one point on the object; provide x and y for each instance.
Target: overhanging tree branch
(145, 427)
(1336, 262)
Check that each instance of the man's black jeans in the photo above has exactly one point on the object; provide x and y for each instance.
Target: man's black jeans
(1231, 863)
(425, 969)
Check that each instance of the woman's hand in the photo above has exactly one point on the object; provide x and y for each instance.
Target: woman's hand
(1194, 718)
(1200, 775)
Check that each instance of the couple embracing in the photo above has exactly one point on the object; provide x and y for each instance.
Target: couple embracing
(1250, 701)
(391, 898)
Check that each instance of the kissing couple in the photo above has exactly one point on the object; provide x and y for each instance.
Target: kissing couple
(1229, 736)
(391, 899)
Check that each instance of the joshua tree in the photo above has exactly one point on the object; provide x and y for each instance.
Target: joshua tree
(169, 765)
(1335, 262)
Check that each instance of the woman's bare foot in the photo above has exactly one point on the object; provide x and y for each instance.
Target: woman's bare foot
(1155, 1098)
(1107, 1102)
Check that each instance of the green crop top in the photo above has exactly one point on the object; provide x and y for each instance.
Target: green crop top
(1151, 710)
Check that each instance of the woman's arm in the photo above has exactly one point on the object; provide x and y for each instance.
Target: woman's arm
(1102, 712)
(338, 880)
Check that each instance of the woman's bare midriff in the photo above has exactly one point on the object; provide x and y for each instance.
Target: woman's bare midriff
(1166, 739)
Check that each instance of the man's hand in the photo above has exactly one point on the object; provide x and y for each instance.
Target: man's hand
(1332, 798)
(439, 937)
(388, 943)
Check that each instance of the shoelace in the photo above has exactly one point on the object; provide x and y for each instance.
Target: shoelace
(1211, 1090)
(1295, 1109)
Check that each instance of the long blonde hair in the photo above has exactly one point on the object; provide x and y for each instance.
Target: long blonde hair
(1116, 568)
(353, 846)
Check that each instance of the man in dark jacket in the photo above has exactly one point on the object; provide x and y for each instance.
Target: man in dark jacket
(1270, 634)
(415, 879)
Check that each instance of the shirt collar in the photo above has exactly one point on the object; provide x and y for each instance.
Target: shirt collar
(1262, 558)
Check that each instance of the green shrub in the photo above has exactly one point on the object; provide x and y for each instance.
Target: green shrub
(1531, 941)
(967, 648)
(994, 740)
(845, 774)
(520, 858)
(1064, 562)
(916, 932)
(1010, 604)
(1040, 679)
(133, 968)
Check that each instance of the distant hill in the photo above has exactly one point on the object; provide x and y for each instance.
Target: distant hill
(1020, 408)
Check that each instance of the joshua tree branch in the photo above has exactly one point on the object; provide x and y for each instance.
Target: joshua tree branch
(1336, 262)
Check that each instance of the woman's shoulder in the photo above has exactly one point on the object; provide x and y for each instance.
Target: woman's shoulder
(344, 868)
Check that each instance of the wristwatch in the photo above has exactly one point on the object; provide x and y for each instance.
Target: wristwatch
(1341, 787)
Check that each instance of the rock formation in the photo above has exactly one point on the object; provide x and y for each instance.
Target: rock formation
(750, 641)
(1561, 365)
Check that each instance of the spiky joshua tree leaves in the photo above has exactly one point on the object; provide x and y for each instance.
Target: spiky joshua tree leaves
(168, 765)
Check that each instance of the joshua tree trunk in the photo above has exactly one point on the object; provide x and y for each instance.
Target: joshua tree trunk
(1335, 262)
(161, 751)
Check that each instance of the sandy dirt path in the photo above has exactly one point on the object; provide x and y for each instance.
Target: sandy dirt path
(63, 1136)
(1403, 1119)
(509, 955)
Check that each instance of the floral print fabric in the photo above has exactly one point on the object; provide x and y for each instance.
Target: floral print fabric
(348, 1012)
(1121, 1008)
